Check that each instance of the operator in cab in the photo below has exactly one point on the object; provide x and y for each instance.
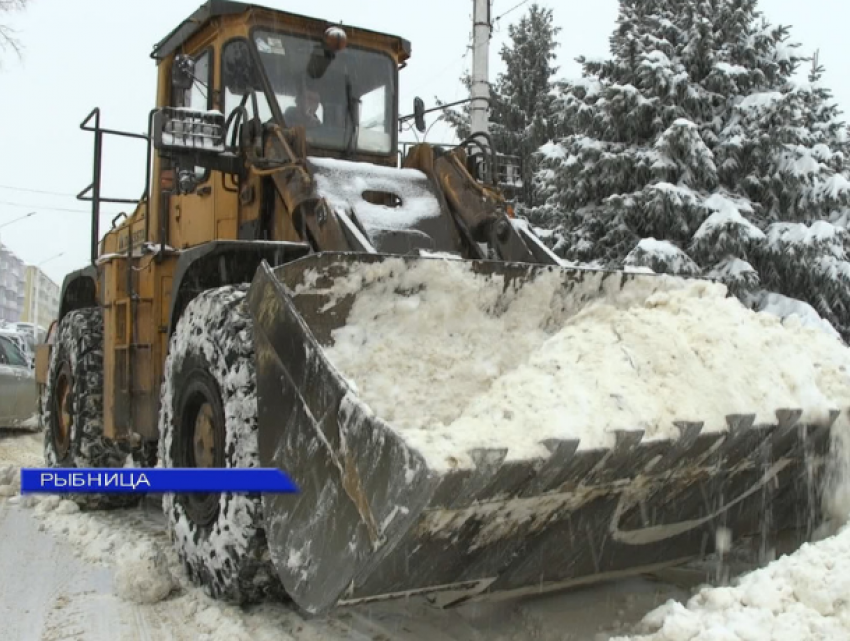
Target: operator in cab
(304, 112)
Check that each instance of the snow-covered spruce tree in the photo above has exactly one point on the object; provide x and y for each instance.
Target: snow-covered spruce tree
(521, 115)
(459, 119)
(521, 99)
(696, 149)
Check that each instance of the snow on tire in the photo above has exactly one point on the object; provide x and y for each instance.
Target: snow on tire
(72, 405)
(208, 418)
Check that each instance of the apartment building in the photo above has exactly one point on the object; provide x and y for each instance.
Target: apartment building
(12, 279)
(41, 298)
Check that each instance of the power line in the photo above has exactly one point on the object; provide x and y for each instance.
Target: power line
(513, 8)
(44, 208)
(38, 191)
(453, 63)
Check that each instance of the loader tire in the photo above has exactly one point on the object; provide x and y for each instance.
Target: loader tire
(72, 406)
(208, 418)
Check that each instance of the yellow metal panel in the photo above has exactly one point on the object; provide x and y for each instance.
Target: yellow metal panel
(140, 329)
(42, 362)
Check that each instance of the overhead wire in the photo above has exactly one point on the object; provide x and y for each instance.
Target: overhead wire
(41, 208)
(38, 191)
(511, 10)
(454, 63)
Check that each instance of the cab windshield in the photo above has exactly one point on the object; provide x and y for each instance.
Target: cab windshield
(345, 101)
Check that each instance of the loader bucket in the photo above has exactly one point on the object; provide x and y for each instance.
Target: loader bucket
(374, 520)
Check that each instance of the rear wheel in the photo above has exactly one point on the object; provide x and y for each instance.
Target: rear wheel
(72, 405)
(209, 419)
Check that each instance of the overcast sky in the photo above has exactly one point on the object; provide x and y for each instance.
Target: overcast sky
(85, 53)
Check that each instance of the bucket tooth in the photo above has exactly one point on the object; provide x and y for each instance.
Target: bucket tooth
(746, 440)
(634, 455)
(693, 447)
(555, 469)
(788, 418)
(833, 417)
(818, 438)
(689, 431)
(511, 479)
(793, 438)
(627, 440)
(487, 463)
(559, 449)
(739, 422)
(583, 468)
(804, 449)
(487, 459)
(450, 487)
(628, 458)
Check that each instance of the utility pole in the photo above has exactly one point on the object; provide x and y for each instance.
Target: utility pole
(479, 115)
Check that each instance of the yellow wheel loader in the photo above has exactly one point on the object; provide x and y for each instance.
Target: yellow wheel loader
(197, 338)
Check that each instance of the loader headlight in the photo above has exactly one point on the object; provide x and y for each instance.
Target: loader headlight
(176, 128)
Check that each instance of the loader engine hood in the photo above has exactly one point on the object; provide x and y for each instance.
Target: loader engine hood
(397, 210)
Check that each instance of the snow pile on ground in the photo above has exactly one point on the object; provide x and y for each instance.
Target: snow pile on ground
(10, 480)
(456, 361)
(90, 536)
(805, 595)
(142, 574)
(785, 307)
(131, 541)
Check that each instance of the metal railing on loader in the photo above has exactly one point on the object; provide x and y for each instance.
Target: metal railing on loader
(507, 174)
(92, 193)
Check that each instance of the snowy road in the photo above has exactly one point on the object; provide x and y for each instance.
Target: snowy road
(58, 583)
(62, 573)
(64, 576)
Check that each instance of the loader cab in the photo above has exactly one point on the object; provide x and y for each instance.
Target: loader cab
(338, 82)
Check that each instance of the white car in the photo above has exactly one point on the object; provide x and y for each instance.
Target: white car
(30, 335)
(18, 393)
(22, 341)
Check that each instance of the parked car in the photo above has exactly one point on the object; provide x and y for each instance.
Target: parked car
(18, 394)
(21, 340)
(31, 336)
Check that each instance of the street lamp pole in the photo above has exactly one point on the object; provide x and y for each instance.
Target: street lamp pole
(37, 277)
(32, 213)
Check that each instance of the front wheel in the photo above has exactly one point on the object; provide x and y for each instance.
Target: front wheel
(72, 405)
(208, 418)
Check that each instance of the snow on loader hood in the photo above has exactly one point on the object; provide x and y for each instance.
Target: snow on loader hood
(453, 360)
